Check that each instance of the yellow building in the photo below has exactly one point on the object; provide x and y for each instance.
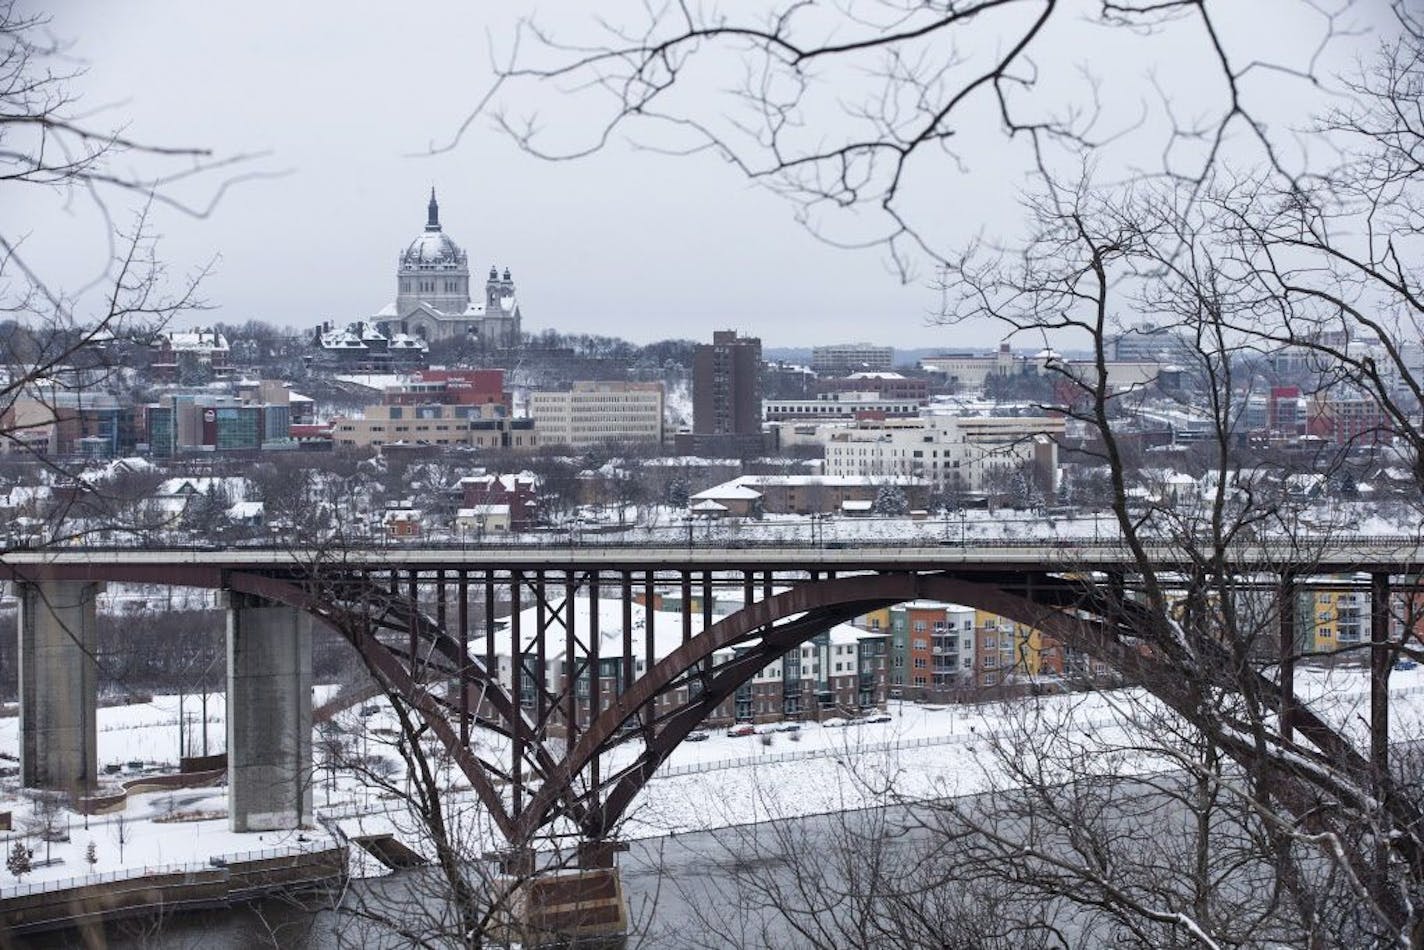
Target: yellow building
(875, 620)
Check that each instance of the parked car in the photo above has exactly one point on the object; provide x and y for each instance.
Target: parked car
(835, 722)
(879, 717)
(767, 729)
(370, 710)
(1406, 665)
(788, 727)
(741, 729)
(697, 735)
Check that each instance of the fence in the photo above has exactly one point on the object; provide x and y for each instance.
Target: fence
(931, 532)
(894, 745)
(961, 738)
(191, 867)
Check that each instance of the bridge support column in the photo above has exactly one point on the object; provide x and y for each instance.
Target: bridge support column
(58, 685)
(269, 715)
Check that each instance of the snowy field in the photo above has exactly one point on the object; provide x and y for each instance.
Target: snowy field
(922, 752)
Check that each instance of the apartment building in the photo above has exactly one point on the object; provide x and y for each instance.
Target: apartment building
(726, 396)
(931, 649)
(592, 413)
(836, 673)
(941, 652)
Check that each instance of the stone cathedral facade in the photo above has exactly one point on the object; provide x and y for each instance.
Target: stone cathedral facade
(433, 300)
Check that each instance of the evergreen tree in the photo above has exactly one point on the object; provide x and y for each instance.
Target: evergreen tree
(890, 500)
(18, 862)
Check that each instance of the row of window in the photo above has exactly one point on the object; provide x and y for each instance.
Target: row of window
(431, 286)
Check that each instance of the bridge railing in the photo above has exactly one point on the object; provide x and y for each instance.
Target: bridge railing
(154, 870)
(755, 538)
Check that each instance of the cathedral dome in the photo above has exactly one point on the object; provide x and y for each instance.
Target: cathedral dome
(432, 247)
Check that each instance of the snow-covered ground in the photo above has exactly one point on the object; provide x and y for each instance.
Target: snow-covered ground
(922, 752)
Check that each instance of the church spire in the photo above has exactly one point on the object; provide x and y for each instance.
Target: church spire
(432, 220)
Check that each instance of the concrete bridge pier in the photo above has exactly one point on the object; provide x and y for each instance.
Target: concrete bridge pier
(59, 685)
(269, 715)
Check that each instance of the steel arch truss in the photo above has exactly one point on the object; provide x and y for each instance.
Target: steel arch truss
(551, 774)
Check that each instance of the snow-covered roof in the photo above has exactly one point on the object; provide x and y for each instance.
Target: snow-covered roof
(709, 506)
(245, 510)
(379, 381)
(728, 492)
(235, 486)
(829, 481)
(196, 340)
(432, 247)
(525, 481)
(483, 511)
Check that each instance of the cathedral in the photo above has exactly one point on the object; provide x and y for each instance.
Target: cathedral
(433, 300)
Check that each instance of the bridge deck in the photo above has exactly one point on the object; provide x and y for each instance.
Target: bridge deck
(1343, 555)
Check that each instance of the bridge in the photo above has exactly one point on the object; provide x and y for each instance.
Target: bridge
(432, 624)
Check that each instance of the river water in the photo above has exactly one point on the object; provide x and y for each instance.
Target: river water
(674, 887)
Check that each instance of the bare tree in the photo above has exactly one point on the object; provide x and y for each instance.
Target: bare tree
(855, 113)
(1287, 828)
(62, 348)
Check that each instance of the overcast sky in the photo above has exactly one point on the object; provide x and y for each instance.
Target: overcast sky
(343, 95)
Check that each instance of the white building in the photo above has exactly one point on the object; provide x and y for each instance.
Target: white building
(598, 412)
(838, 405)
(970, 370)
(968, 453)
(839, 358)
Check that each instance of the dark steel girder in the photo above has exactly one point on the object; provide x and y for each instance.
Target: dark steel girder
(720, 685)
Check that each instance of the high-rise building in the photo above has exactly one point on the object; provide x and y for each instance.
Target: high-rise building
(726, 386)
(590, 413)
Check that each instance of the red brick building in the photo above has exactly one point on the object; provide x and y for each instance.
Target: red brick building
(519, 492)
(452, 387)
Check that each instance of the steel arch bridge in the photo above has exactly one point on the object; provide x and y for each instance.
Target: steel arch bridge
(427, 623)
